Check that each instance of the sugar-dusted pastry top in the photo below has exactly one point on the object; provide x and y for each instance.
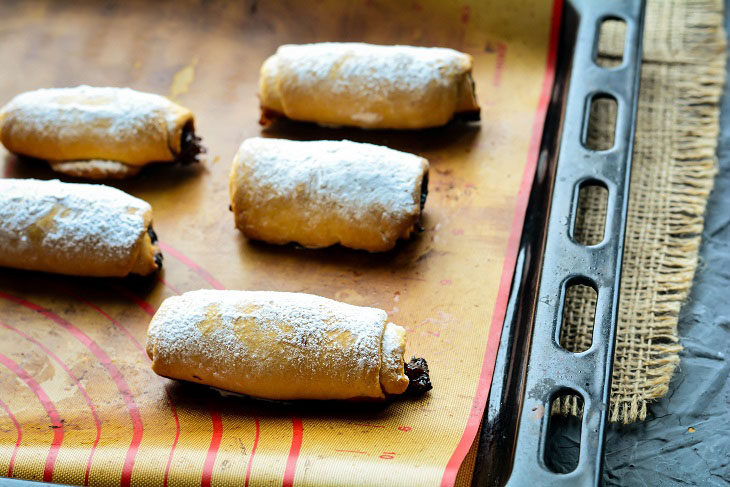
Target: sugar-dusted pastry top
(78, 229)
(278, 345)
(366, 85)
(322, 193)
(106, 128)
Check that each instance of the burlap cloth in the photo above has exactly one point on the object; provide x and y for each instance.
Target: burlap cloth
(682, 78)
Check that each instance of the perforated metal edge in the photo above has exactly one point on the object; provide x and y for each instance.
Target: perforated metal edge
(532, 368)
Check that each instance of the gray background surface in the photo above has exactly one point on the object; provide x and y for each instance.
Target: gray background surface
(663, 450)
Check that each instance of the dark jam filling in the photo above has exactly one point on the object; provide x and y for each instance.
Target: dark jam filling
(424, 190)
(424, 195)
(190, 146)
(152, 234)
(153, 239)
(417, 372)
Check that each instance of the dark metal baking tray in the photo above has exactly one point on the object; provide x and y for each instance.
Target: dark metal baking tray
(532, 369)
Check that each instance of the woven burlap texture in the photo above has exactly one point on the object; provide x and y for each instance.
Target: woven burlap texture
(682, 78)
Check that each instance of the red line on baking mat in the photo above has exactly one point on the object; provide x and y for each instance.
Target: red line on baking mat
(122, 386)
(51, 411)
(144, 305)
(500, 307)
(168, 285)
(19, 432)
(76, 381)
(150, 310)
(215, 415)
(253, 451)
(192, 265)
(173, 409)
(296, 446)
(215, 443)
(114, 322)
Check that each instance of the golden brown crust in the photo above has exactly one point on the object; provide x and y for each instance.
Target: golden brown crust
(146, 261)
(277, 345)
(75, 229)
(106, 128)
(94, 169)
(323, 193)
(269, 117)
(392, 375)
(467, 97)
(332, 84)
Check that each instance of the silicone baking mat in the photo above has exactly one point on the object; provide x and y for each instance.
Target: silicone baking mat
(78, 401)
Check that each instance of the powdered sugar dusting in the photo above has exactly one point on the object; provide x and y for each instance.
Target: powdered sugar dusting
(383, 69)
(78, 223)
(368, 85)
(392, 376)
(392, 344)
(116, 111)
(357, 184)
(240, 340)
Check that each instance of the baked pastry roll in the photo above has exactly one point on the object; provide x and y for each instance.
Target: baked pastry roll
(277, 345)
(327, 192)
(98, 133)
(76, 229)
(369, 86)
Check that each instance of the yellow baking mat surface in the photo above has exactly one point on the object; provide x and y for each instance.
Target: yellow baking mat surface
(78, 401)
